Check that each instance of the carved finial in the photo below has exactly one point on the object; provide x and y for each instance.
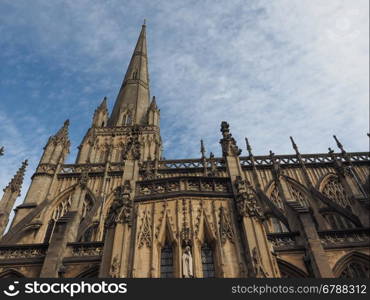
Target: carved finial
(331, 151)
(16, 183)
(225, 128)
(202, 149)
(153, 104)
(249, 148)
(61, 136)
(339, 145)
(228, 143)
(272, 154)
(103, 103)
(295, 147)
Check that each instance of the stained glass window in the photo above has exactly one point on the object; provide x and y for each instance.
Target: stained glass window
(207, 261)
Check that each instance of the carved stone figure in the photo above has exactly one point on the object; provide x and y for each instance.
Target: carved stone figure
(187, 263)
(227, 142)
(258, 265)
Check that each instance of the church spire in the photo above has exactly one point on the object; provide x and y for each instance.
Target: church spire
(11, 192)
(16, 183)
(133, 98)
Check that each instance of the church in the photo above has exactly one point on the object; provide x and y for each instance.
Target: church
(123, 211)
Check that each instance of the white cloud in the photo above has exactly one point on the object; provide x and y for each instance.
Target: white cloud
(271, 68)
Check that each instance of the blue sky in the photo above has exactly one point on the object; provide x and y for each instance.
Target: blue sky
(270, 68)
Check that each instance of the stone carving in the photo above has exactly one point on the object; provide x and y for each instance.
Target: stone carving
(186, 233)
(165, 217)
(226, 229)
(213, 167)
(132, 149)
(84, 178)
(21, 253)
(348, 236)
(145, 234)
(162, 186)
(258, 265)
(282, 240)
(276, 166)
(87, 251)
(46, 169)
(150, 171)
(114, 269)
(246, 199)
(120, 210)
(227, 142)
(187, 263)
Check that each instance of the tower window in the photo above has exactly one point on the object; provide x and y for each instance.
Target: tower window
(278, 226)
(207, 261)
(355, 270)
(127, 119)
(167, 261)
(338, 222)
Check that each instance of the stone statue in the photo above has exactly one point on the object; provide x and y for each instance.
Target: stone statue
(187, 263)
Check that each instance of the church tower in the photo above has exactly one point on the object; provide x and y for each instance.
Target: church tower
(121, 210)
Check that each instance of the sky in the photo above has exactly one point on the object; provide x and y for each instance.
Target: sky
(272, 69)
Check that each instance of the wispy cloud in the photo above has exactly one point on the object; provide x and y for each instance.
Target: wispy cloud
(270, 68)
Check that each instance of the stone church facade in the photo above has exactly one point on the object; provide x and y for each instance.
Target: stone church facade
(121, 210)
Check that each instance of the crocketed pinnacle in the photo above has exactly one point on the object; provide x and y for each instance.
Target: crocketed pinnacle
(16, 183)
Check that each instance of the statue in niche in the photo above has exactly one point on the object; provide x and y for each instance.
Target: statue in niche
(187, 263)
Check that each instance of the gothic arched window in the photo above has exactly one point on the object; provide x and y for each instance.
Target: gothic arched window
(89, 234)
(334, 190)
(277, 226)
(355, 270)
(298, 196)
(208, 265)
(127, 118)
(288, 270)
(86, 207)
(167, 261)
(337, 221)
(58, 212)
(276, 199)
(62, 208)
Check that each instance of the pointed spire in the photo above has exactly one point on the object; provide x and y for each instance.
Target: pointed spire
(61, 136)
(101, 114)
(249, 148)
(153, 104)
(134, 92)
(295, 147)
(64, 130)
(16, 183)
(202, 149)
(339, 145)
(103, 105)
